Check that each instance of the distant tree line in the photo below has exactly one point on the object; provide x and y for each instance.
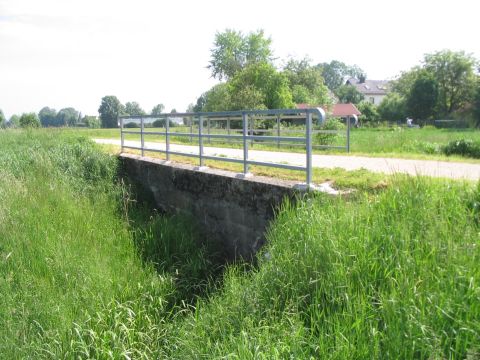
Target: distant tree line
(445, 86)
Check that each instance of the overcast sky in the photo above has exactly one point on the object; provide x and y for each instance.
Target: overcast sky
(62, 53)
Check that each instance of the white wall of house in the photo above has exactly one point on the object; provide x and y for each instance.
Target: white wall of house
(374, 99)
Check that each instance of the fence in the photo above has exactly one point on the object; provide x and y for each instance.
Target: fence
(244, 129)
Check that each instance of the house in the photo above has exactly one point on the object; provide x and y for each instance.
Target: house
(373, 90)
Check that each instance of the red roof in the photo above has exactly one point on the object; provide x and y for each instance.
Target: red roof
(337, 110)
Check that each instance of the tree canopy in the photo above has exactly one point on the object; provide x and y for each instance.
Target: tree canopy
(29, 120)
(454, 74)
(133, 108)
(3, 121)
(110, 109)
(335, 72)
(349, 94)
(423, 97)
(306, 83)
(68, 116)
(158, 109)
(233, 51)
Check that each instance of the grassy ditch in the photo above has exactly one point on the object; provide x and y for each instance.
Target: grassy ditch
(86, 272)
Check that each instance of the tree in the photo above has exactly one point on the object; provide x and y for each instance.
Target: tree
(233, 51)
(266, 80)
(306, 83)
(28, 120)
(423, 96)
(48, 116)
(369, 112)
(335, 72)
(91, 121)
(393, 107)
(133, 108)
(110, 109)
(14, 121)
(215, 99)
(3, 121)
(67, 117)
(349, 94)
(476, 104)
(454, 74)
(158, 109)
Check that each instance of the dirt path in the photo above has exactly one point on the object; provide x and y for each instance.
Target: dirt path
(453, 170)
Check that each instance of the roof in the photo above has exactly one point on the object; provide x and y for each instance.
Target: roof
(337, 110)
(370, 87)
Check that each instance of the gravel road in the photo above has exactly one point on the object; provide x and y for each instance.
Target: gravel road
(445, 169)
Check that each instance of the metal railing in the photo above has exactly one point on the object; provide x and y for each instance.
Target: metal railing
(236, 127)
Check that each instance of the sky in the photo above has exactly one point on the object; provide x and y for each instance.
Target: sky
(71, 53)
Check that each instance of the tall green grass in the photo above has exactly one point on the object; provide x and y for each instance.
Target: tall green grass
(85, 272)
(393, 275)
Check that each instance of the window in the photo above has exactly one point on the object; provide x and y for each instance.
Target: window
(372, 100)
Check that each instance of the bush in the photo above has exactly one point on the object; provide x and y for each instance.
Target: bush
(329, 125)
(131, 125)
(463, 147)
(29, 120)
(161, 123)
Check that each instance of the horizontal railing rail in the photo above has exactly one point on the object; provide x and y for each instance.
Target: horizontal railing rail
(240, 130)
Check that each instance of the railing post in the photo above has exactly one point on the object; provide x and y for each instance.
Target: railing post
(122, 140)
(142, 136)
(245, 144)
(308, 141)
(200, 140)
(278, 131)
(208, 129)
(348, 134)
(167, 137)
(228, 128)
(191, 129)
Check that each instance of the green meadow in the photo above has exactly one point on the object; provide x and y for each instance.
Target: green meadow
(87, 271)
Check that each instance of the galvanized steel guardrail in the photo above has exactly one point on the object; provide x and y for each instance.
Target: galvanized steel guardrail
(246, 134)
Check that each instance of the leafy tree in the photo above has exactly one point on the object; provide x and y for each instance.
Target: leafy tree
(393, 107)
(91, 121)
(306, 83)
(423, 96)
(233, 51)
(173, 111)
(48, 117)
(14, 121)
(404, 83)
(349, 94)
(248, 98)
(476, 104)
(215, 99)
(158, 109)
(110, 109)
(29, 120)
(133, 108)
(265, 79)
(3, 121)
(454, 74)
(335, 72)
(67, 117)
(369, 112)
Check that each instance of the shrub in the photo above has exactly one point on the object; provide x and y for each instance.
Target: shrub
(29, 120)
(131, 125)
(161, 123)
(463, 147)
(327, 138)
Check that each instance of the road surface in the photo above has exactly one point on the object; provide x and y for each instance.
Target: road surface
(445, 169)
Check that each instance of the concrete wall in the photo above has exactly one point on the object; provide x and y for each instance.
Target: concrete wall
(231, 211)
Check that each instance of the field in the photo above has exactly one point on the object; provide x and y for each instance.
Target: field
(86, 271)
(424, 143)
